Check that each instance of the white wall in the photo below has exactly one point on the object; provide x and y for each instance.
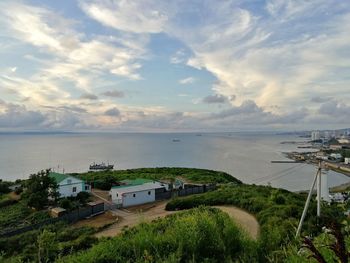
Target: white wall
(141, 197)
(65, 187)
(116, 199)
(128, 199)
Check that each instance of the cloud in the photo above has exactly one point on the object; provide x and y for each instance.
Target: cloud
(319, 99)
(136, 17)
(16, 116)
(335, 109)
(89, 96)
(113, 112)
(178, 57)
(186, 81)
(114, 93)
(215, 99)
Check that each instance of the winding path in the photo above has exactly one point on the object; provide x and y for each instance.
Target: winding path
(129, 219)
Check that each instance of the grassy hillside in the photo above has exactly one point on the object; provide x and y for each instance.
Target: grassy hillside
(277, 210)
(199, 235)
(105, 179)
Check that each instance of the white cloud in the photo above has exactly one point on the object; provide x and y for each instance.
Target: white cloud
(185, 81)
(130, 16)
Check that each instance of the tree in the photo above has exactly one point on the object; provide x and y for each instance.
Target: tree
(47, 246)
(41, 189)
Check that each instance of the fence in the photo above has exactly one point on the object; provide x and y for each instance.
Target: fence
(197, 189)
(71, 217)
(85, 212)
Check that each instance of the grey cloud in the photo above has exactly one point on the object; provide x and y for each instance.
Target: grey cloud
(17, 116)
(319, 99)
(113, 112)
(246, 107)
(215, 99)
(335, 108)
(89, 96)
(114, 93)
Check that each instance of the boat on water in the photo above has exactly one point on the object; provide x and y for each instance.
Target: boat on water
(176, 140)
(101, 166)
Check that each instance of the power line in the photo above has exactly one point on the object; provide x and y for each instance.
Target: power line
(278, 174)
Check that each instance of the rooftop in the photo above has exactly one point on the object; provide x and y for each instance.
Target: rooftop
(58, 177)
(137, 188)
(137, 181)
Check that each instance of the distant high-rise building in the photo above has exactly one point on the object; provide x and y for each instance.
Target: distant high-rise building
(315, 135)
(327, 135)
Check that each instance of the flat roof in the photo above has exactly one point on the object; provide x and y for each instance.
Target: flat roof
(137, 188)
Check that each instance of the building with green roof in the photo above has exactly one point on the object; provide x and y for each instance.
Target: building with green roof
(69, 185)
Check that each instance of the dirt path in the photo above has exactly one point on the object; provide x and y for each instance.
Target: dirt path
(247, 221)
(129, 219)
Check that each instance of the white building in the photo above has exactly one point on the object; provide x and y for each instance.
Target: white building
(336, 156)
(315, 135)
(347, 160)
(69, 185)
(129, 195)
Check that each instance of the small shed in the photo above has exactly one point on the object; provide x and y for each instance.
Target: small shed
(97, 207)
(57, 212)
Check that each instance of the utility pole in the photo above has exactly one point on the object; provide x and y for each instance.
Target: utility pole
(317, 177)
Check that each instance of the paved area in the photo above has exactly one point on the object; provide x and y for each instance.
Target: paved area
(134, 216)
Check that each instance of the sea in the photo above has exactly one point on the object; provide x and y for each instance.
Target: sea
(246, 156)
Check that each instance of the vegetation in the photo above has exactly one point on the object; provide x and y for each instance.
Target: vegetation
(332, 246)
(40, 190)
(199, 235)
(71, 203)
(4, 187)
(202, 234)
(105, 179)
(46, 244)
(277, 211)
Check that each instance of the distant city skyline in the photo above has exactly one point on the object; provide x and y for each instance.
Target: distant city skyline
(152, 65)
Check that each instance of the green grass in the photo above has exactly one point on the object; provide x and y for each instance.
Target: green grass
(18, 215)
(198, 235)
(278, 212)
(24, 247)
(105, 179)
(13, 215)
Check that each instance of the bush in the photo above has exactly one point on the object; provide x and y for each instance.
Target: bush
(66, 203)
(199, 235)
(83, 198)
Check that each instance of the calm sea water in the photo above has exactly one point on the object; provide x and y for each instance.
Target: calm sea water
(245, 156)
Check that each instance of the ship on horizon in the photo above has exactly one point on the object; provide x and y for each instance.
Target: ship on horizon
(101, 166)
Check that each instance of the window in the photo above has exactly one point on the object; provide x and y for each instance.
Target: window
(69, 181)
(134, 195)
(74, 189)
(117, 194)
(87, 187)
(149, 192)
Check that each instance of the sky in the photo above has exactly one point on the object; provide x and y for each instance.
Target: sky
(183, 65)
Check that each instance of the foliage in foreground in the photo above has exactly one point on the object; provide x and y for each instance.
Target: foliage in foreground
(202, 234)
(277, 211)
(331, 246)
(46, 244)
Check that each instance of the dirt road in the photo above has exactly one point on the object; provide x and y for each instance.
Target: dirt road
(132, 218)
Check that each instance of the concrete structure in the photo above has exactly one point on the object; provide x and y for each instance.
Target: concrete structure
(315, 135)
(324, 187)
(335, 147)
(344, 141)
(335, 156)
(69, 185)
(130, 195)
